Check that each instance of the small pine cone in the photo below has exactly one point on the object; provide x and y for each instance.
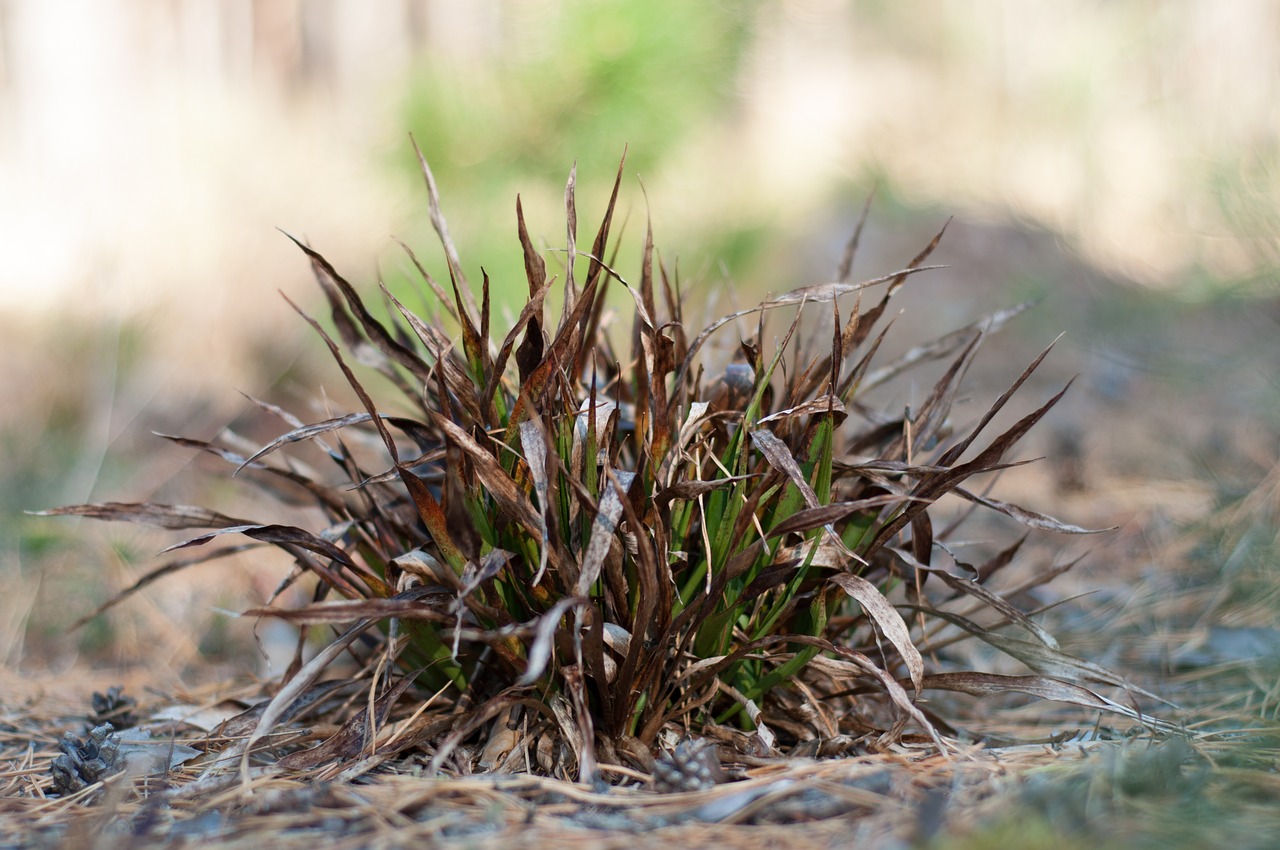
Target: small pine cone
(694, 766)
(113, 707)
(85, 762)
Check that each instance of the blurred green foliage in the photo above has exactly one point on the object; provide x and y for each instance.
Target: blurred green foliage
(594, 76)
(587, 80)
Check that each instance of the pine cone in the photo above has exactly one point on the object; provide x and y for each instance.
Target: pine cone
(693, 766)
(85, 762)
(113, 707)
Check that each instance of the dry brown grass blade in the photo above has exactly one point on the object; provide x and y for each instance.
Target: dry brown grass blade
(640, 670)
(497, 483)
(922, 539)
(820, 293)
(544, 637)
(467, 723)
(853, 380)
(896, 693)
(485, 316)
(275, 410)
(602, 529)
(887, 619)
(533, 442)
(310, 701)
(428, 507)
(571, 237)
(643, 356)
(592, 292)
(418, 604)
(1027, 517)
(945, 345)
(893, 471)
(845, 270)
(1045, 660)
(459, 384)
(997, 562)
(879, 467)
(930, 418)
(432, 604)
(305, 432)
(535, 268)
(861, 324)
(578, 728)
(291, 539)
(821, 405)
(953, 454)
(441, 298)
(474, 346)
(298, 473)
(657, 364)
(934, 486)
(595, 345)
(920, 258)
(274, 534)
(990, 457)
(779, 456)
(1041, 687)
(442, 231)
(232, 457)
(528, 322)
(369, 406)
(374, 330)
(817, 293)
(530, 351)
(433, 517)
(569, 348)
(690, 490)
(811, 518)
(967, 586)
(148, 513)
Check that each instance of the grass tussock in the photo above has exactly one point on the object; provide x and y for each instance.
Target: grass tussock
(581, 543)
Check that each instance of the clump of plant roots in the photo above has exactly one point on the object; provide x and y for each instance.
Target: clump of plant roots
(581, 548)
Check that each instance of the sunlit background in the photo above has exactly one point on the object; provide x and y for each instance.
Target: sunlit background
(1119, 160)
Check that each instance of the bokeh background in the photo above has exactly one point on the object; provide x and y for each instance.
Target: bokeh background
(1118, 161)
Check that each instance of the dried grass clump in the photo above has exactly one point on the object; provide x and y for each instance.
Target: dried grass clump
(586, 547)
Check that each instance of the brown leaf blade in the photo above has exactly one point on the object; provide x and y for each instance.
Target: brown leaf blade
(887, 620)
(602, 529)
(147, 513)
(279, 535)
(1028, 517)
(1041, 687)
